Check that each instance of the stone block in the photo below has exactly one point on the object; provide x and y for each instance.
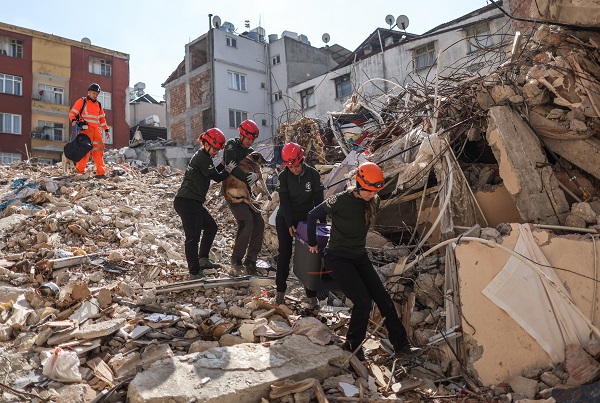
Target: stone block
(523, 386)
(243, 373)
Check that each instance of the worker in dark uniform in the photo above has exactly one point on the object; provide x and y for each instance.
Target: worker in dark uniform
(352, 213)
(190, 198)
(251, 226)
(300, 190)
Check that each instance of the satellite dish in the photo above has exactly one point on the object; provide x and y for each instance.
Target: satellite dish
(86, 40)
(402, 22)
(326, 38)
(216, 21)
(389, 19)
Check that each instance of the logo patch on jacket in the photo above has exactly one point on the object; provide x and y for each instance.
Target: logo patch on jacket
(308, 187)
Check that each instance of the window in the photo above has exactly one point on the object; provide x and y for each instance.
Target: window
(53, 95)
(307, 97)
(10, 123)
(11, 47)
(424, 56)
(264, 122)
(51, 131)
(7, 158)
(231, 42)
(237, 81)
(263, 86)
(343, 86)
(275, 60)
(105, 100)
(478, 37)
(236, 118)
(277, 96)
(100, 66)
(11, 84)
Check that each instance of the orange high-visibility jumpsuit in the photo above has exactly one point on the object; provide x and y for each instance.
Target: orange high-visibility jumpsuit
(93, 114)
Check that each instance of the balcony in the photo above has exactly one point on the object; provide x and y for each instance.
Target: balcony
(50, 108)
(47, 142)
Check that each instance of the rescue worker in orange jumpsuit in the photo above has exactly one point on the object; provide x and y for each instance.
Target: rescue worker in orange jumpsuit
(89, 115)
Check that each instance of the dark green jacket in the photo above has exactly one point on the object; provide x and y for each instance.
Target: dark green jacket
(348, 234)
(197, 177)
(234, 151)
(298, 194)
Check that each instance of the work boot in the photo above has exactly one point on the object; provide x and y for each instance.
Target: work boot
(360, 354)
(206, 263)
(238, 267)
(313, 303)
(197, 275)
(100, 177)
(250, 266)
(280, 298)
(407, 351)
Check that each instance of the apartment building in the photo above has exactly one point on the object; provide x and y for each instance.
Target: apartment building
(41, 77)
(227, 77)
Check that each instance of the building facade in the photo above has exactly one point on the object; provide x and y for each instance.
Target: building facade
(244, 78)
(41, 77)
(389, 61)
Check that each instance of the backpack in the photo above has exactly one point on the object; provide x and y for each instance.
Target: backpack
(77, 148)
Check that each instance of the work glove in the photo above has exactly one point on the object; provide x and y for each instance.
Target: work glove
(251, 178)
(229, 167)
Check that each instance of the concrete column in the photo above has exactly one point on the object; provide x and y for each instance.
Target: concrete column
(524, 168)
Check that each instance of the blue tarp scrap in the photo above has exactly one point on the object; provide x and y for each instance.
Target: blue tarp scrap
(5, 204)
(23, 205)
(18, 183)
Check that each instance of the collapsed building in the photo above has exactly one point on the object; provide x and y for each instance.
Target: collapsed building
(487, 238)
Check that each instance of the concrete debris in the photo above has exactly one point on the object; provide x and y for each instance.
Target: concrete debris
(95, 267)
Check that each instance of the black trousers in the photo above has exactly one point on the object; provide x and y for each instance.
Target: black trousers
(250, 232)
(285, 256)
(195, 219)
(359, 281)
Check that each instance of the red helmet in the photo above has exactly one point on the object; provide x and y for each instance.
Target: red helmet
(292, 154)
(215, 138)
(249, 129)
(370, 177)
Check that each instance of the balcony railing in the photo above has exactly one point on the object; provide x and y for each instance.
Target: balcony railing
(49, 137)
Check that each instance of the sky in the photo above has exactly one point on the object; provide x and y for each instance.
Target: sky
(154, 32)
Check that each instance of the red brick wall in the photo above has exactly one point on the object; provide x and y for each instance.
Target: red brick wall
(15, 104)
(197, 125)
(200, 89)
(177, 100)
(520, 9)
(178, 132)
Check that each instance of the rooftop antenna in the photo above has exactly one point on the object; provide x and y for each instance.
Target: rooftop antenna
(389, 19)
(216, 21)
(402, 22)
(326, 38)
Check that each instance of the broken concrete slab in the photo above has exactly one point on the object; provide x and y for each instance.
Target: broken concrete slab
(240, 373)
(524, 168)
(583, 153)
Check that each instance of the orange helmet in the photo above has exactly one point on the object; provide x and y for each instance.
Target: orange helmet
(370, 177)
(292, 154)
(249, 129)
(215, 138)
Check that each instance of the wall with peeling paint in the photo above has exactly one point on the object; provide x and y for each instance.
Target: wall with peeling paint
(507, 349)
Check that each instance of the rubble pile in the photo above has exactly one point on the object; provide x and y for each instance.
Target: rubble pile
(96, 303)
(95, 290)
